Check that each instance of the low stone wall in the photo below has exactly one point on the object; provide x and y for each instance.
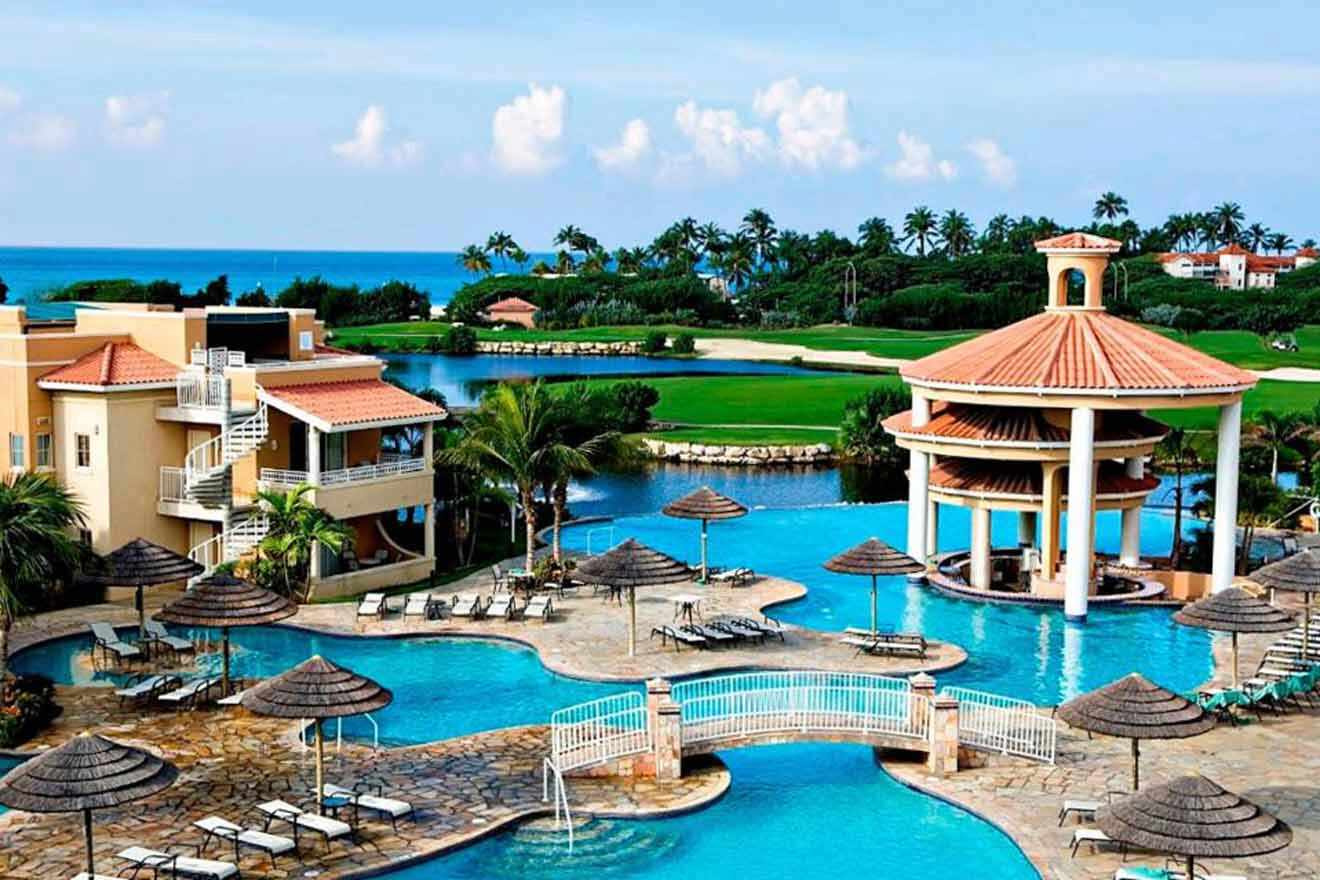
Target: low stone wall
(817, 454)
(513, 346)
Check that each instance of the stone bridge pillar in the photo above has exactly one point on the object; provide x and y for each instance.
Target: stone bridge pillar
(943, 757)
(664, 717)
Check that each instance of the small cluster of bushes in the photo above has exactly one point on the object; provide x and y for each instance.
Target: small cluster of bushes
(621, 406)
(458, 339)
(27, 704)
(654, 342)
(159, 292)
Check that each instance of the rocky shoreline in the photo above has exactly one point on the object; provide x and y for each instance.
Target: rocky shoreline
(568, 349)
(815, 454)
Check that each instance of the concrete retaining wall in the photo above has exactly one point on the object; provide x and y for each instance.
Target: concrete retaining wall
(513, 346)
(817, 454)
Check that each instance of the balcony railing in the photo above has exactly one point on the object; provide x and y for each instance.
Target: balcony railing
(172, 484)
(388, 467)
(203, 390)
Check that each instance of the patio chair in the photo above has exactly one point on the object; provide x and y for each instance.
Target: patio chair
(301, 820)
(217, 828)
(738, 631)
(361, 797)
(500, 607)
(466, 605)
(421, 605)
(710, 634)
(187, 866)
(1093, 837)
(372, 605)
(190, 694)
(500, 581)
(769, 626)
(159, 635)
(679, 637)
(107, 641)
(144, 687)
(538, 607)
(234, 699)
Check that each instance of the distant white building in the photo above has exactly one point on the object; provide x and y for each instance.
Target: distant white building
(1234, 267)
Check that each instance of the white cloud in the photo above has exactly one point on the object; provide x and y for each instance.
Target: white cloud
(918, 161)
(997, 167)
(136, 120)
(718, 138)
(368, 146)
(812, 125)
(45, 133)
(634, 144)
(9, 100)
(526, 133)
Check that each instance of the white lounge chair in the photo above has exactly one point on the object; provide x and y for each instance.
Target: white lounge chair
(222, 829)
(168, 863)
(234, 699)
(734, 577)
(418, 605)
(301, 820)
(190, 693)
(108, 641)
(391, 808)
(372, 605)
(141, 688)
(466, 605)
(539, 607)
(501, 606)
(1083, 809)
(1091, 836)
(157, 633)
(83, 875)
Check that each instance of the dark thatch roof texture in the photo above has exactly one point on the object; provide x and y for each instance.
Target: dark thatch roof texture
(632, 564)
(1136, 708)
(88, 772)
(1236, 610)
(1299, 573)
(705, 503)
(140, 563)
(224, 600)
(874, 556)
(316, 688)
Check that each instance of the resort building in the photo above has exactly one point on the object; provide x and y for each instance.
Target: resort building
(1234, 267)
(167, 423)
(1047, 415)
(513, 310)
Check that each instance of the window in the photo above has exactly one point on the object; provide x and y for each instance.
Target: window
(82, 444)
(16, 451)
(44, 457)
(305, 340)
(85, 537)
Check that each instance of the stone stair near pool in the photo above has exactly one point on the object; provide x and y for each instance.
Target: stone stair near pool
(601, 847)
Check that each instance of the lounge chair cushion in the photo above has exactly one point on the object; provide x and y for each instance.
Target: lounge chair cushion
(389, 806)
(188, 690)
(144, 687)
(223, 828)
(287, 812)
(194, 867)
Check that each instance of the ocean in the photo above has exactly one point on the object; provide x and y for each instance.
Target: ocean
(29, 271)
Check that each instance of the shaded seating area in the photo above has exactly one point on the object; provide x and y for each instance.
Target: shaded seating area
(112, 650)
(886, 644)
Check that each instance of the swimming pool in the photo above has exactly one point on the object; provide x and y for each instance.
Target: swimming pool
(7, 764)
(843, 817)
(1021, 651)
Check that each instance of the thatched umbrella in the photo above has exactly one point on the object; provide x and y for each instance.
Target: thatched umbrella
(873, 557)
(86, 773)
(1138, 709)
(316, 689)
(221, 601)
(628, 566)
(140, 563)
(704, 504)
(1235, 611)
(1299, 573)
(1193, 817)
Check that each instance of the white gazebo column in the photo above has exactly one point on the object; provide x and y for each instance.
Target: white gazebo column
(1129, 553)
(1081, 510)
(981, 573)
(1226, 497)
(918, 485)
(428, 453)
(933, 529)
(313, 456)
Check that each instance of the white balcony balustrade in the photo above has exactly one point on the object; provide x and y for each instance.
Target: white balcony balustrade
(200, 390)
(389, 466)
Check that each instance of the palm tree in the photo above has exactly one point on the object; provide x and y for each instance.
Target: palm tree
(1228, 219)
(957, 233)
(1309, 243)
(519, 257)
(38, 518)
(501, 245)
(712, 239)
(1176, 451)
(298, 528)
(997, 232)
(474, 259)
(876, 235)
(1109, 206)
(567, 236)
(919, 225)
(792, 251)
(564, 264)
(1276, 432)
(1256, 235)
(738, 261)
(1279, 242)
(759, 227)
(514, 438)
(1260, 503)
(630, 260)
(598, 260)
(688, 233)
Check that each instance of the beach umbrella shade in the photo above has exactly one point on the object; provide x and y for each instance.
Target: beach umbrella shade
(704, 504)
(1192, 817)
(628, 566)
(86, 773)
(1138, 709)
(876, 558)
(140, 563)
(222, 601)
(1235, 611)
(316, 689)
(1299, 573)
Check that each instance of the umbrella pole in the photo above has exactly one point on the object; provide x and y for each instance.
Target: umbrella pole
(632, 622)
(142, 615)
(1235, 661)
(87, 835)
(703, 551)
(320, 770)
(224, 674)
(1136, 764)
(1306, 627)
(874, 630)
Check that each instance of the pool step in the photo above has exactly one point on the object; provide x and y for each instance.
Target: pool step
(603, 845)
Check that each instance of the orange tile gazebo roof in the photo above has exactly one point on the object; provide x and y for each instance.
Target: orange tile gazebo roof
(1017, 426)
(115, 364)
(1080, 241)
(1073, 350)
(1022, 480)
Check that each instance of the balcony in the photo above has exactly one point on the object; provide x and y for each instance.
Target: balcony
(393, 483)
(199, 398)
(172, 499)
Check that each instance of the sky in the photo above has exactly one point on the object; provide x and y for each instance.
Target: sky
(411, 125)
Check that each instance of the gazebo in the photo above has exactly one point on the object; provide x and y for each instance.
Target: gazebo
(1046, 415)
(875, 558)
(140, 563)
(628, 566)
(1235, 611)
(1299, 573)
(86, 773)
(704, 504)
(222, 601)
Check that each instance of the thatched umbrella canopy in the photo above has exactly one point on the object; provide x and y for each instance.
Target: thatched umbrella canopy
(221, 601)
(316, 689)
(628, 566)
(1299, 573)
(1138, 709)
(1194, 818)
(873, 557)
(1235, 611)
(140, 563)
(704, 504)
(86, 773)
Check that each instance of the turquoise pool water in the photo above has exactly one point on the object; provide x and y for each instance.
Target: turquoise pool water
(844, 817)
(1020, 651)
(7, 764)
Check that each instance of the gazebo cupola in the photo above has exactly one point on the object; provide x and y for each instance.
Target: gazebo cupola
(1047, 414)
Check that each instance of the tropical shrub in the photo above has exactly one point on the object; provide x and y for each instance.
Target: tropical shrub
(654, 341)
(861, 435)
(684, 343)
(27, 704)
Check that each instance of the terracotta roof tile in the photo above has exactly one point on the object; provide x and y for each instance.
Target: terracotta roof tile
(1076, 350)
(115, 363)
(1307, 252)
(1017, 425)
(360, 401)
(1079, 241)
(512, 304)
(1023, 479)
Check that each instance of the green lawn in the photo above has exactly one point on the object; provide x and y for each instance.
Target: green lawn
(1280, 397)
(1250, 351)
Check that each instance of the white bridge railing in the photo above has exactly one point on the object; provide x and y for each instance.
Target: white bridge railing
(730, 706)
(1002, 724)
(599, 731)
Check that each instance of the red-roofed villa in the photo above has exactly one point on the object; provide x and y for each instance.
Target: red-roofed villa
(513, 311)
